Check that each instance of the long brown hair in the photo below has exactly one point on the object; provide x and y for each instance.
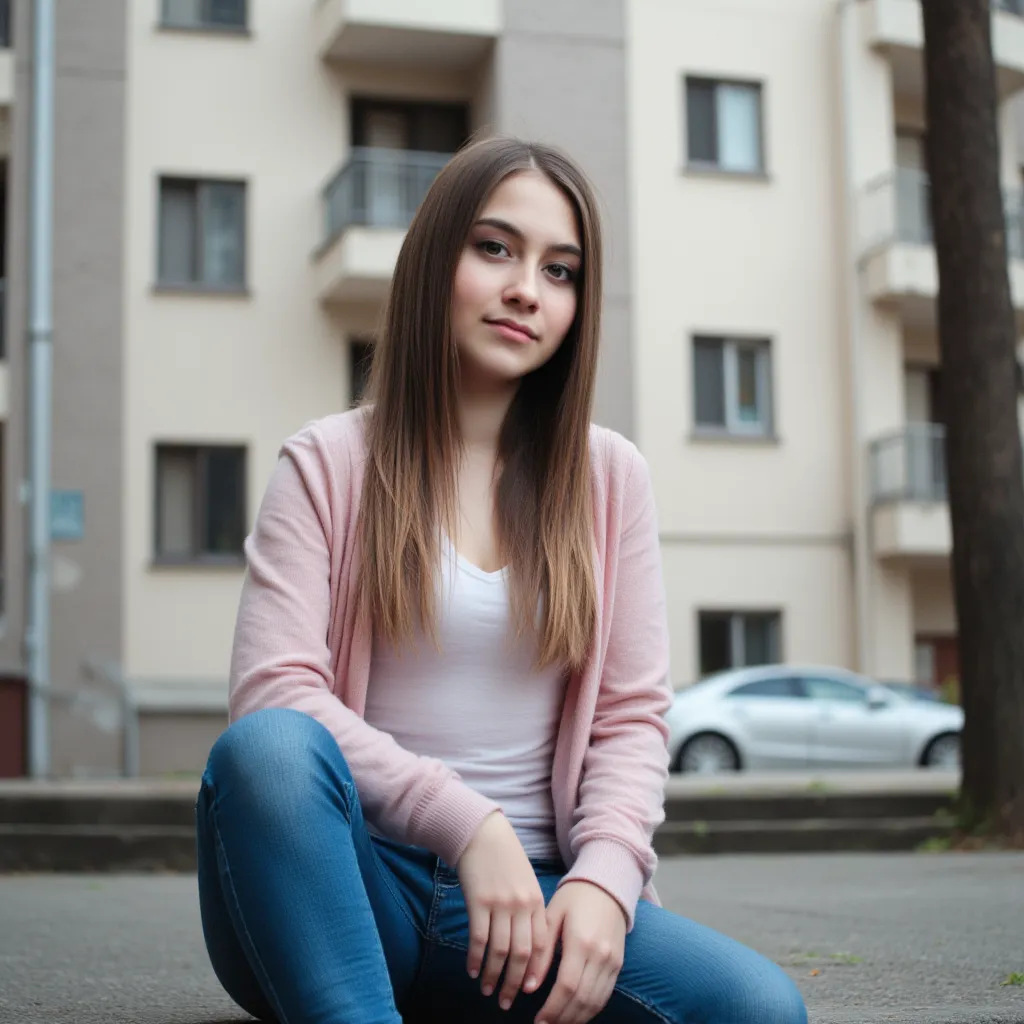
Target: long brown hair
(544, 503)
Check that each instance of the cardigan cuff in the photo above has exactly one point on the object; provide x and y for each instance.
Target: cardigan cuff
(611, 866)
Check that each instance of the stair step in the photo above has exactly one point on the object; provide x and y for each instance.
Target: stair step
(809, 835)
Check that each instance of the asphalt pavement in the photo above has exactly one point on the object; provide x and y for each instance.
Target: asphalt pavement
(895, 938)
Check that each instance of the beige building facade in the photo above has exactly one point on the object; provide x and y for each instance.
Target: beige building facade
(233, 182)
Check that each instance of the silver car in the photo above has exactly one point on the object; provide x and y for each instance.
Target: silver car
(786, 716)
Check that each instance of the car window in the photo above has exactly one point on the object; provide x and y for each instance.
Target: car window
(823, 688)
(767, 688)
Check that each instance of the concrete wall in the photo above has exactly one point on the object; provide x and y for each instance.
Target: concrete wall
(761, 523)
(560, 77)
(88, 363)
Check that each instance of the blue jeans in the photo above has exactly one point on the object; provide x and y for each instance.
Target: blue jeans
(309, 919)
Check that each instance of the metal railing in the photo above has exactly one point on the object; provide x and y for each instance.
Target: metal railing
(896, 207)
(379, 188)
(909, 464)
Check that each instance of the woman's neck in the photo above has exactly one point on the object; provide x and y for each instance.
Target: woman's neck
(481, 417)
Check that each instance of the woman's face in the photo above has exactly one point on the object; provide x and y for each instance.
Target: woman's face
(514, 297)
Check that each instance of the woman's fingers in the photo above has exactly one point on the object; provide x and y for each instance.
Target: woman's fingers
(519, 955)
(498, 945)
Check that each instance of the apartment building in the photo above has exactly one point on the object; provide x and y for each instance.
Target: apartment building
(233, 181)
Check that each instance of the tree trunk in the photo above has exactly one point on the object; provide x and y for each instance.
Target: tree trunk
(977, 339)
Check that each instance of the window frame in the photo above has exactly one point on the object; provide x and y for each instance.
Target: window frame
(200, 185)
(735, 426)
(698, 165)
(198, 452)
(202, 26)
(737, 641)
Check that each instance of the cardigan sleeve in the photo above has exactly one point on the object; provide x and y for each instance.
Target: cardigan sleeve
(622, 790)
(281, 657)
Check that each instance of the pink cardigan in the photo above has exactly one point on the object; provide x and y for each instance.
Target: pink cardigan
(299, 644)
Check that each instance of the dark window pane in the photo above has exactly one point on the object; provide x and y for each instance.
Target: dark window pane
(230, 13)
(360, 354)
(709, 382)
(700, 121)
(224, 510)
(760, 639)
(715, 646)
(767, 688)
(439, 128)
(177, 258)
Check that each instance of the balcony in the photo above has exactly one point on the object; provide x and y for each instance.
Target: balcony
(894, 27)
(898, 258)
(910, 517)
(368, 205)
(448, 34)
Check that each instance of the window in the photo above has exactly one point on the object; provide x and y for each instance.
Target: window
(737, 639)
(421, 127)
(732, 386)
(202, 234)
(200, 503)
(212, 14)
(360, 354)
(782, 687)
(823, 688)
(723, 125)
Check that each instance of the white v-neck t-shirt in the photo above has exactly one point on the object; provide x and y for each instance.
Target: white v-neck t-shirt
(478, 705)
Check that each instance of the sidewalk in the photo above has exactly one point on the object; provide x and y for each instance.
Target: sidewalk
(869, 938)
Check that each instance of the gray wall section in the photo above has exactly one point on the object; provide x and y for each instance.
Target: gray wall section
(90, 99)
(560, 77)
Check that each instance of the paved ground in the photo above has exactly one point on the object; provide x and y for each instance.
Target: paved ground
(907, 939)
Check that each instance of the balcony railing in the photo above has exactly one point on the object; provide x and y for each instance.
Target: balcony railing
(380, 188)
(896, 207)
(909, 465)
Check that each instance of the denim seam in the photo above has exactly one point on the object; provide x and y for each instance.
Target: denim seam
(384, 877)
(222, 860)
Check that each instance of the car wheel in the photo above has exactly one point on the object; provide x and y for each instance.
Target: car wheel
(708, 754)
(943, 752)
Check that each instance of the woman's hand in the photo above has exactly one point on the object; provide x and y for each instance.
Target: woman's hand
(506, 911)
(592, 928)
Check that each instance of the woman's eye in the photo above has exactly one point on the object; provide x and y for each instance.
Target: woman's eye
(492, 247)
(560, 272)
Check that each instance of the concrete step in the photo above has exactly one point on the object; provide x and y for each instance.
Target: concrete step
(97, 848)
(799, 835)
(150, 826)
(806, 805)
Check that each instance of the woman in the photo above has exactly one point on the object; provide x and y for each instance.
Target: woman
(447, 759)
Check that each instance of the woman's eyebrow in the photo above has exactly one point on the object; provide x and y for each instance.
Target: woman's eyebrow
(511, 229)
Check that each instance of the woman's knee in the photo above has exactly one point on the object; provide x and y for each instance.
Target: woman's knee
(275, 749)
(764, 994)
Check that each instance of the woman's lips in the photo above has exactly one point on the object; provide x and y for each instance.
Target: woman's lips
(513, 332)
